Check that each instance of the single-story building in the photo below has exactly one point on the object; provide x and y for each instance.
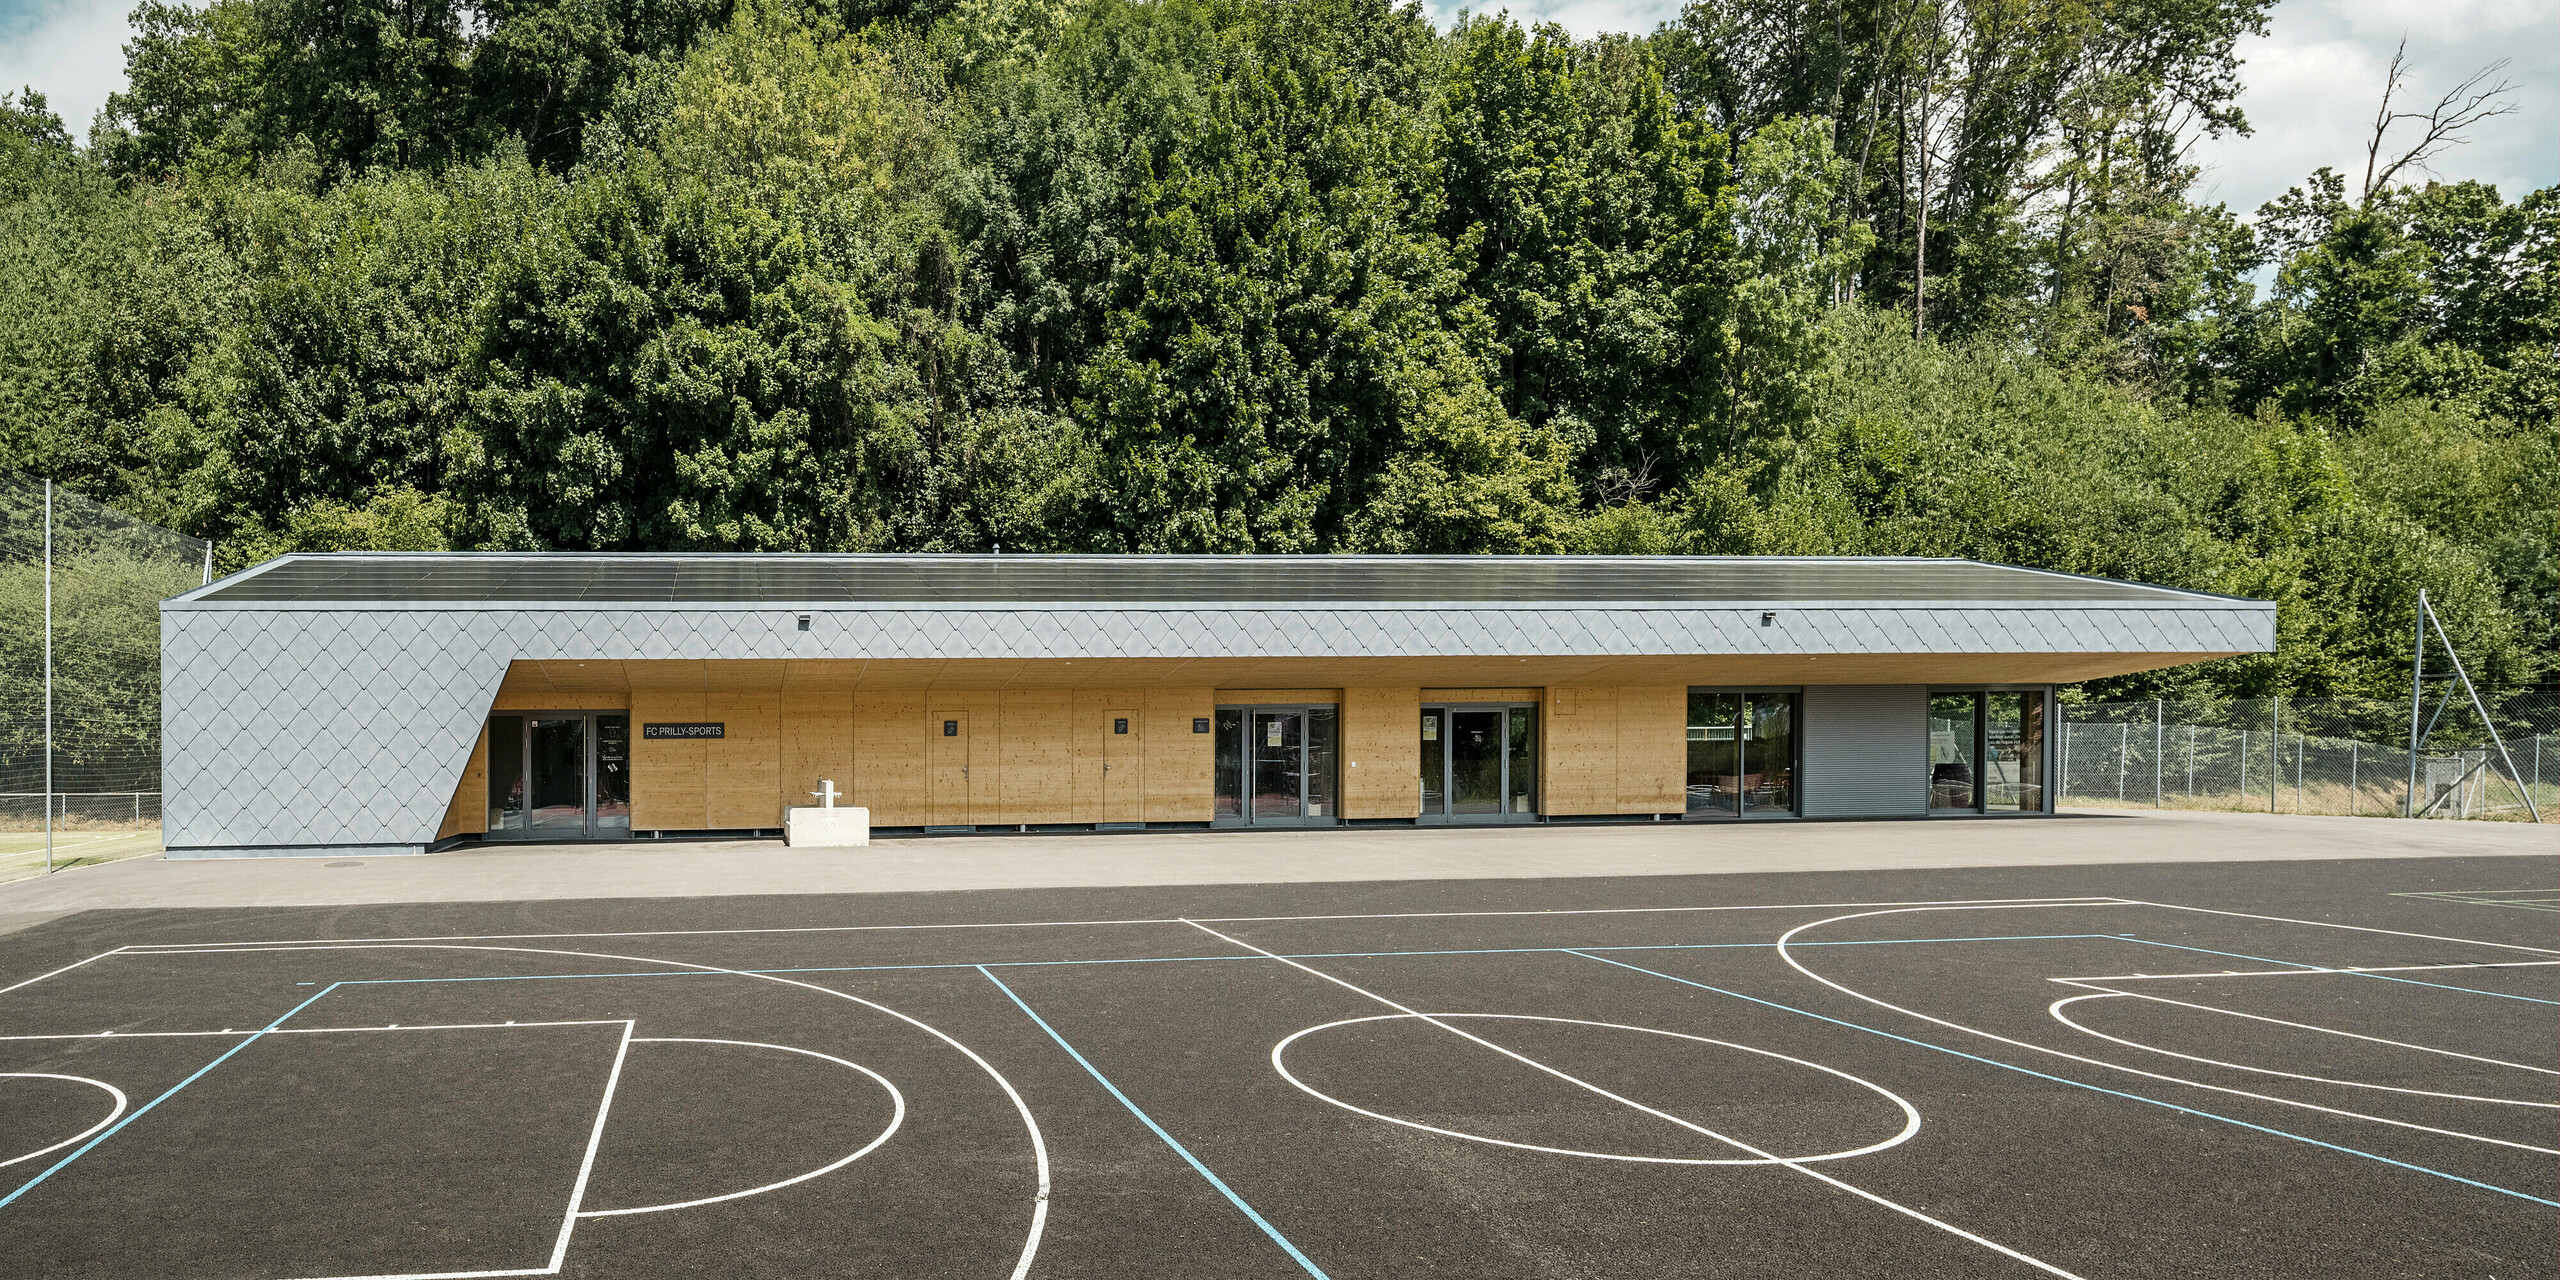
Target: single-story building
(380, 703)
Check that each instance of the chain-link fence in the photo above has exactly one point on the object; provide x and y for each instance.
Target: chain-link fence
(2342, 756)
(109, 574)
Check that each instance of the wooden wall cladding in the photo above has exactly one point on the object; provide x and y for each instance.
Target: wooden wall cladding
(817, 745)
(889, 755)
(1179, 762)
(669, 779)
(1381, 752)
(469, 812)
(1580, 727)
(1523, 694)
(1035, 759)
(1653, 748)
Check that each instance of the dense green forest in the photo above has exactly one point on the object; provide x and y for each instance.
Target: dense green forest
(1911, 277)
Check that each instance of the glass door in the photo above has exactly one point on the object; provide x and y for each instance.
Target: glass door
(1955, 752)
(1278, 743)
(559, 775)
(1479, 763)
(1276, 766)
(1742, 753)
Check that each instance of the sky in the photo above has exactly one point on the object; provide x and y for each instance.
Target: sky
(2312, 80)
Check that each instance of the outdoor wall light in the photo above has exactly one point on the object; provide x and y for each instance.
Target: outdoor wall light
(1768, 617)
(804, 622)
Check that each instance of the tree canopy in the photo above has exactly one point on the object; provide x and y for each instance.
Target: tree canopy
(1888, 277)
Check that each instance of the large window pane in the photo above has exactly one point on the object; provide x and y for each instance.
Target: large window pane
(1323, 737)
(1230, 758)
(1715, 752)
(1524, 760)
(1433, 767)
(2013, 751)
(557, 750)
(506, 773)
(1476, 743)
(1769, 753)
(1278, 763)
(613, 773)
(1954, 720)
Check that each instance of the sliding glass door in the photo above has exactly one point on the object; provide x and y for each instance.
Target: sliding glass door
(1987, 751)
(1276, 766)
(1742, 753)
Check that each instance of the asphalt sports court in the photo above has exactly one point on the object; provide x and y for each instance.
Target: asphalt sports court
(2323, 1069)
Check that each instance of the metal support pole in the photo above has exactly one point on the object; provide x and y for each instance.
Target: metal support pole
(2417, 681)
(2353, 746)
(2159, 747)
(2297, 771)
(2191, 762)
(48, 677)
(2275, 753)
(2122, 734)
(2427, 615)
(208, 564)
(2244, 766)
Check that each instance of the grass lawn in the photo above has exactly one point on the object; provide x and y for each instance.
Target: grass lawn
(22, 852)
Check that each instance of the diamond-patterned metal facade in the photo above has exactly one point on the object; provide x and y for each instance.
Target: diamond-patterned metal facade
(294, 725)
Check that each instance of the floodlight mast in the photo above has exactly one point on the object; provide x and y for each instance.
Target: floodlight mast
(48, 677)
(2417, 687)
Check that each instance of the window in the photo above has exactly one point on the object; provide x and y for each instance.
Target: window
(1987, 751)
(1742, 753)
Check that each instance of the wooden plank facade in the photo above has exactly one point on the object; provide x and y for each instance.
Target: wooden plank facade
(919, 752)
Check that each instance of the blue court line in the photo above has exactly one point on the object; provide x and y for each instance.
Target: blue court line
(1313, 955)
(137, 1112)
(1149, 1121)
(2029, 1071)
(2314, 968)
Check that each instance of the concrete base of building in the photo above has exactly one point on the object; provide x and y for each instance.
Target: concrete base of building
(811, 827)
(299, 851)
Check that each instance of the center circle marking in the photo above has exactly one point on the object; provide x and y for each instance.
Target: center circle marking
(1910, 1113)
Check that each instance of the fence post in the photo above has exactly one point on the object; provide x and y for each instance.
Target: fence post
(2191, 762)
(2062, 785)
(2244, 768)
(2275, 753)
(2159, 748)
(48, 677)
(2353, 745)
(2417, 680)
(2121, 735)
(2297, 771)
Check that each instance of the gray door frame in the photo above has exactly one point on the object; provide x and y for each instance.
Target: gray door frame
(1448, 741)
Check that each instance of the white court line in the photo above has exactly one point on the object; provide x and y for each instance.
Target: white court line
(897, 1116)
(1798, 966)
(2330, 1031)
(2358, 928)
(1737, 1143)
(2056, 1010)
(2311, 969)
(313, 1031)
(1911, 1114)
(112, 1091)
(1039, 1144)
(595, 1139)
(64, 969)
(168, 948)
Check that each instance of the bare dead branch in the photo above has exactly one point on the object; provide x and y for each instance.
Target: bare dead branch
(2442, 126)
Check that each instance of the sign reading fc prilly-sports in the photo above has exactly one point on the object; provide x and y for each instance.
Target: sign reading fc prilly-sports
(390, 702)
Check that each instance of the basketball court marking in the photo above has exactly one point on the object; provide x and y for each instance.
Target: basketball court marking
(2056, 1009)
(1789, 946)
(112, 1112)
(1047, 924)
(1039, 1147)
(1911, 1114)
(2521, 899)
(897, 1116)
(1197, 1165)
(1798, 966)
(1737, 1143)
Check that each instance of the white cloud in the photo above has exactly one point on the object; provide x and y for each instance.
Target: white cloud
(72, 51)
(2316, 77)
